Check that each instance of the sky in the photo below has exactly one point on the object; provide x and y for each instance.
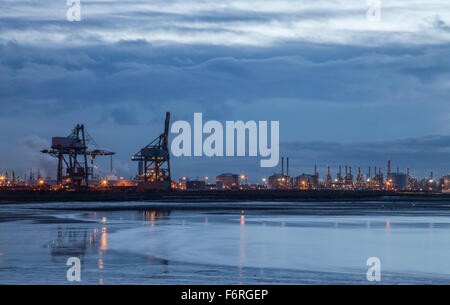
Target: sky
(344, 89)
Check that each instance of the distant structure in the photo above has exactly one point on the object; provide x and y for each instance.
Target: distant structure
(280, 181)
(68, 150)
(398, 181)
(196, 185)
(446, 184)
(154, 161)
(305, 181)
(227, 181)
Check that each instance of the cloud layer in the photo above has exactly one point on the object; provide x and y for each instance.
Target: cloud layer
(319, 67)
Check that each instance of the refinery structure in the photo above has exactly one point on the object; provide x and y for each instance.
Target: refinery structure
(76, 153)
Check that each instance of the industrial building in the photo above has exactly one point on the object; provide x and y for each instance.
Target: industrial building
(196, 185)
(227, 181)
(306, 182)
(280, 181)
(399, 181)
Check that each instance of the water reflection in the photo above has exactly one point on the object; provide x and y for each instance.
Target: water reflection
(70, 242)
(242, 218)
(154, 215)
(100, 264)
(103, 241)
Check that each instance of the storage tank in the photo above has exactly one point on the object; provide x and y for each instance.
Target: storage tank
(399, 181)
(228, 181)
(446, 184)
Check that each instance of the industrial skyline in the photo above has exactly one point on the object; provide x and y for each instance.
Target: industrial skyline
(420, 163)
(344, 90)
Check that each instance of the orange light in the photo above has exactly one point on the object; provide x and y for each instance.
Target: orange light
(41, 182)
(242, 220)
(2, 178)
(105, 182)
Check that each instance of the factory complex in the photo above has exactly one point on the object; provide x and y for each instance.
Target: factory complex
(75, 155)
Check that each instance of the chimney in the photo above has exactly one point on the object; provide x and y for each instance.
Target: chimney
(287, 166)
(389, 169)
(282, 166)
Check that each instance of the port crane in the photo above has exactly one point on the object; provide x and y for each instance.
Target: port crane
(73, 152)
(154, 159)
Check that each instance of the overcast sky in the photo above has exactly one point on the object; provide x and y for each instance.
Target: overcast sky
(345, 90)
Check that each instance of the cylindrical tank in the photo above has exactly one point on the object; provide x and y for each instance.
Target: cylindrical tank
(399, 181)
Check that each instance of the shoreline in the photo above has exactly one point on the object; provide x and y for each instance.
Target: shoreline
(25, 196)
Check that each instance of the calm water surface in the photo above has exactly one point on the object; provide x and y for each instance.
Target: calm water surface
(169, 245)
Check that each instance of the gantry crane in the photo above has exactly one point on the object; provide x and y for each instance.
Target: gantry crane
(68, 149)
(154, 159)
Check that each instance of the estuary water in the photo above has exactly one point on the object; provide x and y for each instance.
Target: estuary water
(220, 243)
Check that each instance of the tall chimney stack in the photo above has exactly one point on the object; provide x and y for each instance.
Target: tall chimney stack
(287, 166)
(282, 166)
(389, 169)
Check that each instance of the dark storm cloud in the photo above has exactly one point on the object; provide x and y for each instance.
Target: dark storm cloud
(56, 79)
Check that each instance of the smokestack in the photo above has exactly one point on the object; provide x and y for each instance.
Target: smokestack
(369, 170)
(328, 170)
(350, 170)
(389, 168)
(287, 166)
(282, 166)
(315, 169)
(346, 172)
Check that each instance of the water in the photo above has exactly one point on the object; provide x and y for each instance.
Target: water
(251, 243)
